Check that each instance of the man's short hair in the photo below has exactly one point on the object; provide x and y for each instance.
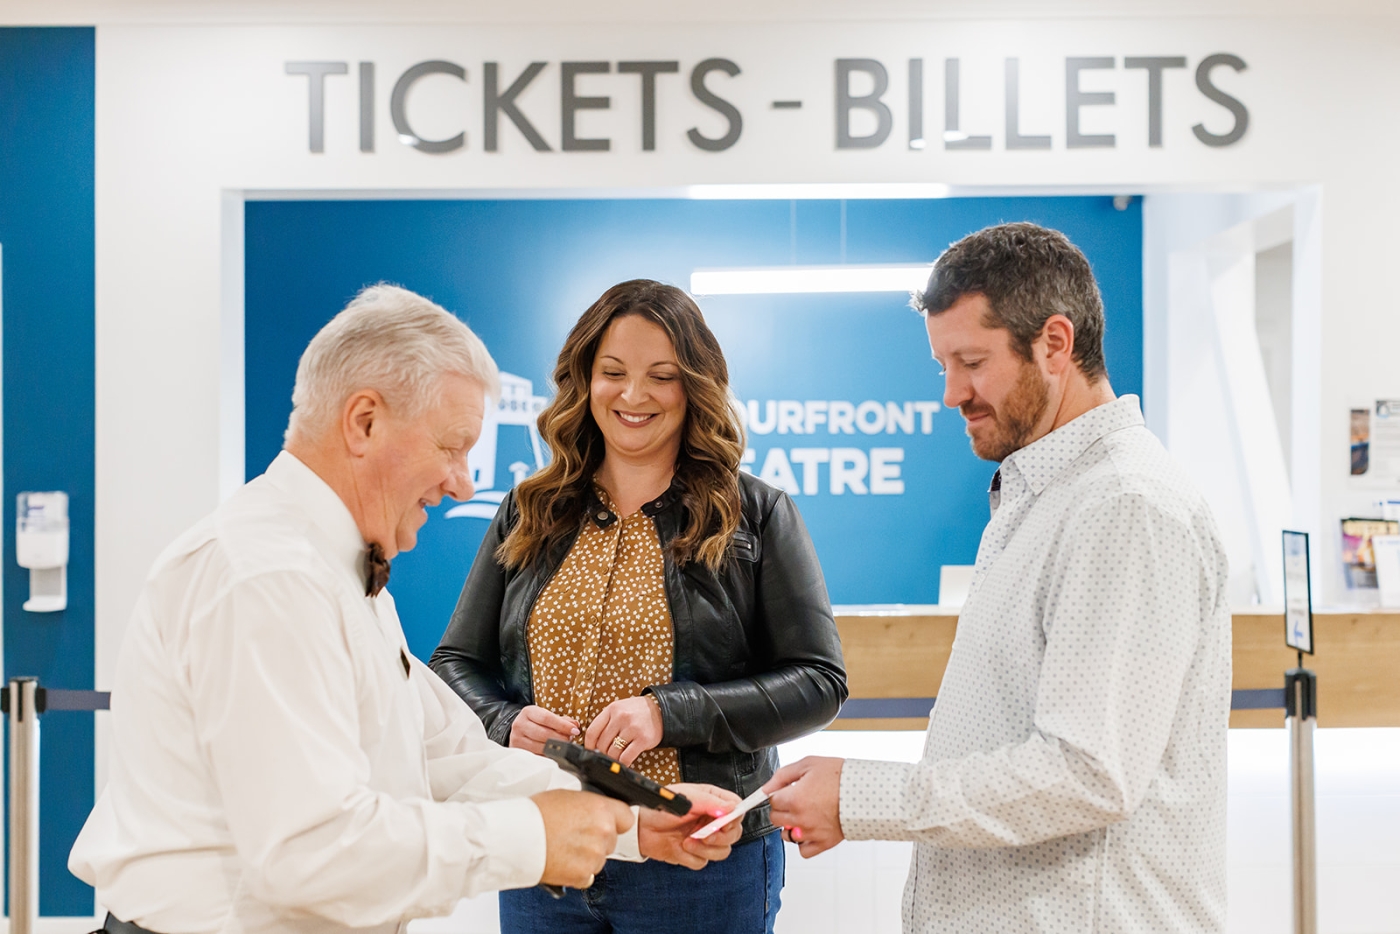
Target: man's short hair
(1027, 273)
(392, 341)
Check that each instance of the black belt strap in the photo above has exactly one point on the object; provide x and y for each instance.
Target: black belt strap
(113, 926)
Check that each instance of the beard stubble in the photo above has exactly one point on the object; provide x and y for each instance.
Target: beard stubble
(1014, 423)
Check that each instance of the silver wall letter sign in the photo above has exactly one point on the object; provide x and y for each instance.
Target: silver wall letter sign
(648, 71)
(953, 137)
(916, 103)
(1075, 98)
(1154, 66)
(570, 104)
(366, 106)
(498, 103)
(316, 80)
(1220, 97)
(846, 102)
(1014, 139)
(398, 99)
(712, 100)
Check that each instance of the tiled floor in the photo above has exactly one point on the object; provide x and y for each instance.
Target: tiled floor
(856, 887)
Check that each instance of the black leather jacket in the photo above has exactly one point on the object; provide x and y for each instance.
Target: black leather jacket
(757, 660)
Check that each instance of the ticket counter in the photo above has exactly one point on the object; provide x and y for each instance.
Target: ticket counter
(895, 659)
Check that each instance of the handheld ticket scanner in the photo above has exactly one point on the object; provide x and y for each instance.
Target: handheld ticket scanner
(41, 544)
(604, 775)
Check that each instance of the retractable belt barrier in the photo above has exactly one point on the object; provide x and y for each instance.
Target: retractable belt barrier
(23, 701)
(1301, 711)
(889, 708)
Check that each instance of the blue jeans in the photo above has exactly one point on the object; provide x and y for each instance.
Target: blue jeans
(739, 895)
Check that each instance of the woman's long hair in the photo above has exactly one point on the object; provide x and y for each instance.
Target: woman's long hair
(552, 502)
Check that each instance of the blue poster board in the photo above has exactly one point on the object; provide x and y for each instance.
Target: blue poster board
(839, 390)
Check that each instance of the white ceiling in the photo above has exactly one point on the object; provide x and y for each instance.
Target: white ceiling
(651, 11)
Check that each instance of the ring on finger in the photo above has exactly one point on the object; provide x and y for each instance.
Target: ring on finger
(620, 744)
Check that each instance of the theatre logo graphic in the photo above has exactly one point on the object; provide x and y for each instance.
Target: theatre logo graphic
(509, 449)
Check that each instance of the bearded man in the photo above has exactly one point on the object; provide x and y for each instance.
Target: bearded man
(1073, 778)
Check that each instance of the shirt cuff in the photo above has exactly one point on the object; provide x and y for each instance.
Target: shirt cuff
(872, 800)
(628, 847)
(512, 833)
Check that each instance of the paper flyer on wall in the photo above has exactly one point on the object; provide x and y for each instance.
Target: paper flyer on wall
(1358, 555)
(1386, 551)
(1375, 443)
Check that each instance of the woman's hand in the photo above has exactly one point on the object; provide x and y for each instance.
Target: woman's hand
(534, 725)
(625, 729)
(664, 836)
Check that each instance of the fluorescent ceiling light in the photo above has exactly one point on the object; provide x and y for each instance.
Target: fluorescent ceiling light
(827, 191)
(780, 279)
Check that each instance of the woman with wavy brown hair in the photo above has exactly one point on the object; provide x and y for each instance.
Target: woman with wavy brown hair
(644, 597)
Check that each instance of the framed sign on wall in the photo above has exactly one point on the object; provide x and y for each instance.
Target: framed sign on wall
(838, 390)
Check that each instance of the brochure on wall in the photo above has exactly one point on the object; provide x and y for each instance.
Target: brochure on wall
(1360, 442)
(1386, 549)
(1358, 555)
(1375, 444)
(1297, 592)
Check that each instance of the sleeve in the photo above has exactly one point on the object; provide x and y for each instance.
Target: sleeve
(464, 765)
(805, 684)
(274, 691)
(1121, 626)
(469, 657)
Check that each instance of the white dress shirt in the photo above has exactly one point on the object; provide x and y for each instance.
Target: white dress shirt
(1073, 778)
(280, 761)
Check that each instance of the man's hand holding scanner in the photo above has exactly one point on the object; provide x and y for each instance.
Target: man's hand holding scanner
(580, 830)
(806, 799)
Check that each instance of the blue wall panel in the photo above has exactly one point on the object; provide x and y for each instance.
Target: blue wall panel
(520, 273)
(46, 229)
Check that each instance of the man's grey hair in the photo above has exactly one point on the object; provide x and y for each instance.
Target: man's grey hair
(392, 341)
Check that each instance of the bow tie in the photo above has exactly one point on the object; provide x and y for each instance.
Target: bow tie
(376, 570)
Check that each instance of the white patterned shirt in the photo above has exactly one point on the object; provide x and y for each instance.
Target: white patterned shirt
(1073, 777)
(280, 761)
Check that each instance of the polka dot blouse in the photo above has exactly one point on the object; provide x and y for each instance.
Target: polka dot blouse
(601, 629)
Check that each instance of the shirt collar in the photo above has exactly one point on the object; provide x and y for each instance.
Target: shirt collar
(1041, 461)
(325, 508)
(603, 513)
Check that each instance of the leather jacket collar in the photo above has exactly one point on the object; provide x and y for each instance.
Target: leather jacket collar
(603, 516)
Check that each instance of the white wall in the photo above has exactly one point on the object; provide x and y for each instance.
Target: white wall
(193, 108)
(187, 113)
(1208, 383)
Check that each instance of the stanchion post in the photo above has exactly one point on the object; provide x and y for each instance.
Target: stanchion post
(1300, 698)
(24, 804)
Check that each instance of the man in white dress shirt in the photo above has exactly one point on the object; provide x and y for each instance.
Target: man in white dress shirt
(280, 761)
(1073, 775)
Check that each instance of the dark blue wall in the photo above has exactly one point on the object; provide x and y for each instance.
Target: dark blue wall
(46, 230)
(520, 273)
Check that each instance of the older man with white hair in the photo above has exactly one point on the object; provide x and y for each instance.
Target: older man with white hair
(280, 761)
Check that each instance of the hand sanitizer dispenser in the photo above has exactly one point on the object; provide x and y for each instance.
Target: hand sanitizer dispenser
(41, 544)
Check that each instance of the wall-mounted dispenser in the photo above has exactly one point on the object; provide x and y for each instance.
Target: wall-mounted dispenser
(41, 544)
